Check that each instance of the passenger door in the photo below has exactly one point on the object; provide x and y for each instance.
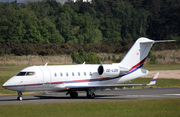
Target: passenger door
(46, 75)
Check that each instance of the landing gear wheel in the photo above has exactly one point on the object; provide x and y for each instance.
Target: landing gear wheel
(20, 98)
(91, 95)
(73, 94)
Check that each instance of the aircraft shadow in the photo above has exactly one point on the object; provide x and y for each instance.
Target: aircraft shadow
(44, 97)
(79, 97)
(97, 97)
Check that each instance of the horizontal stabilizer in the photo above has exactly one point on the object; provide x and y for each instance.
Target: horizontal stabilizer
(152, 41)
(153, 81)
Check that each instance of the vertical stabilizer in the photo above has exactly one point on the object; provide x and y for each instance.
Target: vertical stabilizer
(137, 54)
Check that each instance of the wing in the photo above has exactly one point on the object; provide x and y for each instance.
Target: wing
(121, 86)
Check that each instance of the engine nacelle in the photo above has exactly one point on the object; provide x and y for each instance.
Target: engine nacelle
(111, 70)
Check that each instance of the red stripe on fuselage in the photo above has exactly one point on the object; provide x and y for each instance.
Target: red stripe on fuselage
(138, 64)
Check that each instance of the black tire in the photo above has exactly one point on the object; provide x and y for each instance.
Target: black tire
(92, 95)
(20, 98)
(74, 94)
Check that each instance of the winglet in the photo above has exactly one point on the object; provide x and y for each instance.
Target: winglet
(46, 64)
(153, 81)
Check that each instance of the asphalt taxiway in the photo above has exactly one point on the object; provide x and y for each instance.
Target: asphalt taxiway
(110, 95)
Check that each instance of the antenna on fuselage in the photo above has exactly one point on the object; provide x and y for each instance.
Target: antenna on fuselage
(46, 64)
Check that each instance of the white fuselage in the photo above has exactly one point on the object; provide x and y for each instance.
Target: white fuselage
(56, 78)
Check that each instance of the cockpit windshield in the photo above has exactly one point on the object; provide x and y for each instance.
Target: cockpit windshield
(26, 74)
(21, 74)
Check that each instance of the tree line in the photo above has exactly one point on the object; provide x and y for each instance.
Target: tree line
(102, 24)
(56, 49)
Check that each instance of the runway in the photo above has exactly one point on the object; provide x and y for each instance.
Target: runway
(106, 95)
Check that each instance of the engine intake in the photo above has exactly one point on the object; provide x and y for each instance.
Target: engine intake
(111, 70)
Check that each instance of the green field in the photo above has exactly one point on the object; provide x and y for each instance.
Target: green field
(161, 83)
(138, 108)
(172, 66)
(7, 72)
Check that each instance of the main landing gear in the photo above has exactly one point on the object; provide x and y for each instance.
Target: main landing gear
(74, 94)
(19, 96)
(90, 94)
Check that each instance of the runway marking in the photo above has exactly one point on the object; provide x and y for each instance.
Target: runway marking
(143, 95)
(172, 73)
(173, 94)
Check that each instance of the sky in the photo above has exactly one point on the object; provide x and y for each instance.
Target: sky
(25, 0)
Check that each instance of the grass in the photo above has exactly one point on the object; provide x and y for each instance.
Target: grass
(34, 60)
(7, 72)
(152, 67)
(160, 83)
(138, 108)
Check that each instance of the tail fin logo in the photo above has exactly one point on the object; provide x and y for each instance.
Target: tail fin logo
(137, 65)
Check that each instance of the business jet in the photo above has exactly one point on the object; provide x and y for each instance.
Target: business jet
(85, 77)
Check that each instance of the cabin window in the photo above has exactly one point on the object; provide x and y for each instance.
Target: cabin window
(66, 74)
(72, 73)
(61, 74)
(84, 73)
(78, 73)
(55, 74)
(90, 73)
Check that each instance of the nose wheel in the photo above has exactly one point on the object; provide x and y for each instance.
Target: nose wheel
(20, 98)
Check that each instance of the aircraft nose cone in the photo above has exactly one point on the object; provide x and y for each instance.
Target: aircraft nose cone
(7, 84)
(4, 85)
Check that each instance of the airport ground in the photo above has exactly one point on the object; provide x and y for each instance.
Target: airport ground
(164, 74)
(159, 102)
(106, 95)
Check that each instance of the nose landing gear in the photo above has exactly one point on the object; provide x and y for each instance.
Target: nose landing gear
(20, 98)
